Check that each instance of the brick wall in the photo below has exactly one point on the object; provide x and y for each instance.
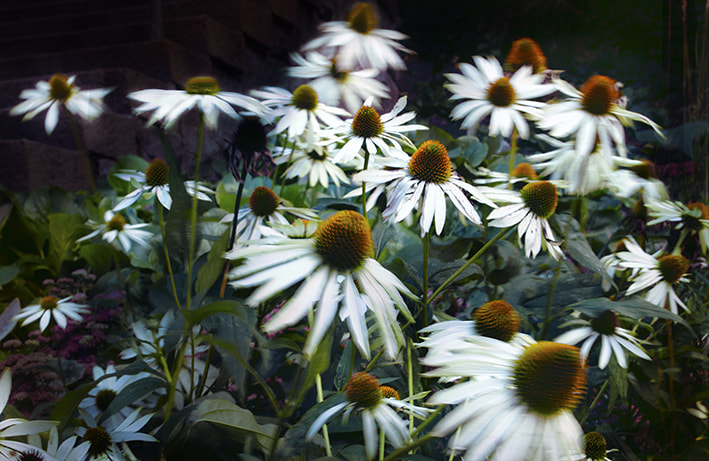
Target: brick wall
(131, 45)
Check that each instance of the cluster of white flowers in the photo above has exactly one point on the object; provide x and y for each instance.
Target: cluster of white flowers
(330, 134)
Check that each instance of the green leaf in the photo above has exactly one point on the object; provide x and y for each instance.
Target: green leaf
(98, 255)
(178, 221)
(618, 382)
(232, 307)
(131, 394)
(501, 262)
(239, 422)
(319, 363)
(470, 149)
(439, 271)
(5, 214)
(64, 409)
(64, 229)
(213, 269)
(7, 273)
(295, 437)
(582, 253)
(344, 367)
(125, 162)
(7, 322)
(634, 307)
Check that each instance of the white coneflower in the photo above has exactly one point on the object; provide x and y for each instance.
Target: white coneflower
(115, 230)
(60, 91)
(690, 218)
(529, 210)
(336, 273)
(51, 307)
(299, 113)
(422, 181)
(596, 111)
(372, 132)
(203, 93)
(358, 42)
(487, 91)
(336, 85)
(377, 406)
(605, 328)
(518, 404)
(154, 181)
(265, 207)
(658, 272)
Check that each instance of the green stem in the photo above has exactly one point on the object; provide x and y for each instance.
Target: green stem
(283, 176)
(364, 185)
(595, 401)
(193, 212)
(381, 444)
(557, 273)
(82, 150)
(473, 259)
(396, 454)
(428, 421)
(513, 153)
(550, 301)
(179, 359)
(161, 219)
(410, 383)
(424, 295)
(326, 436)
(203, 380)
(372, 362)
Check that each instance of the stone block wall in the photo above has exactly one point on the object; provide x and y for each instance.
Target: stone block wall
(128, 46)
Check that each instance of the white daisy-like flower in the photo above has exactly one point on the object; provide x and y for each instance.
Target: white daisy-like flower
(596, 112)
(658, 272)
(12, 428)
(300, 229)
(149, 343)
(372, 132)
(57, 92)
(67, 451)
(101, 395)
(104, 439)
(612, 266)
(421, 181)
(116, 231)
(359, 43)
(518, 404)
(149, 346)
(314, 161)
(203, 93)
(507, 100)
(154, 181)
(690, 218)
(495, 319)
(522, 173)
(51, 307)
(529, 210)
(635, 179)
(606, 328)
(336, 85)
(595, 449)
(300, 113)
(338, 274)
(377, 406)
(583, 173)
(265, 207)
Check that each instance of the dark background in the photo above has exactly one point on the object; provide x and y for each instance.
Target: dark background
(137, 44)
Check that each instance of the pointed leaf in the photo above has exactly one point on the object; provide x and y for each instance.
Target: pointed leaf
(130, 394)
